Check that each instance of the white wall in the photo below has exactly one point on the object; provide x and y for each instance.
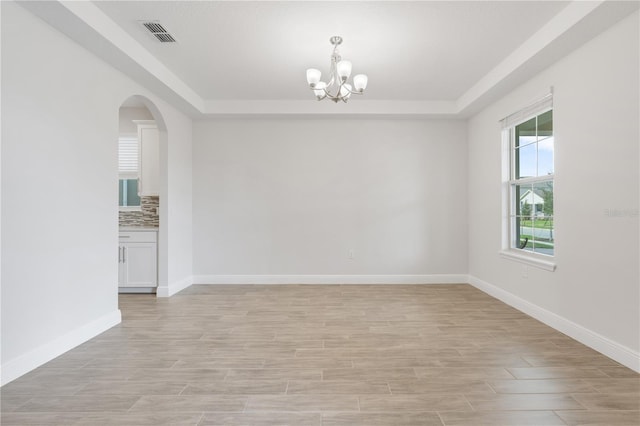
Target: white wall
(128, 114)
(59, 190)
(176, 212)
(292, 197)
(596, 113)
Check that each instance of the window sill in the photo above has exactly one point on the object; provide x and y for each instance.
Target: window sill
(130, 208)
(531, 260)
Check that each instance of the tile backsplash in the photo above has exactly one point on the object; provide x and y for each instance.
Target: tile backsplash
(147, 216)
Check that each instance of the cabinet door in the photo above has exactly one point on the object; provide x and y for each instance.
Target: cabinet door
(149, 160)
(122, 275)
(139, 265)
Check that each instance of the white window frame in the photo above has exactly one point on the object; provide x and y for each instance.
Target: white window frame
(509, 123)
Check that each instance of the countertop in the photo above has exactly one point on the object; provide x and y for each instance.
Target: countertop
(138, 228)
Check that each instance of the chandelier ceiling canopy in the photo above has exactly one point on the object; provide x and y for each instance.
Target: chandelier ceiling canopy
(337, 88)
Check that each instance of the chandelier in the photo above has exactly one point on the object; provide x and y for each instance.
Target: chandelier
(337, 89)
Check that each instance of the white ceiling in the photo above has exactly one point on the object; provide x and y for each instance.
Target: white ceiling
(260, 50)
(423, 58)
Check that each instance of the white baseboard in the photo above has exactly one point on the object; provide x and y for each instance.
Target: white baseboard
(620, 353)
(16, 367)
(331, 279)
(174, 287)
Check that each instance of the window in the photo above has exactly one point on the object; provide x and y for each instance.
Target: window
(529, 184)
(128, 194)
(128, 173)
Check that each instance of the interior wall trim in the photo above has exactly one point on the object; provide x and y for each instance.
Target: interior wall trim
(620, 353)
(332, 279)
(31, 360)
(173, 288)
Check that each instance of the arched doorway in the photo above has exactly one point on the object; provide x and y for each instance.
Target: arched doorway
(142, 165)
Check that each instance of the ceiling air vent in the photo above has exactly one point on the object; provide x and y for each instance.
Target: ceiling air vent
(159, 31)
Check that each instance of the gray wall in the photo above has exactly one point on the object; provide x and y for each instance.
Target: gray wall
(294, 196)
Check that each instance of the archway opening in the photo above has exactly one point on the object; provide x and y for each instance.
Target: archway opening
(142, 142)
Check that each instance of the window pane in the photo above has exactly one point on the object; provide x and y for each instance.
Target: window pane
(128, 192)
(521, 216)
(543, 235)
(545, 156)
(532, 218)
(526, 161)
(545, 124)
(526, 200)
(533, 234)
(524, 233)
(532, 222)
(526, 132)
(533, 147)
(543, 194)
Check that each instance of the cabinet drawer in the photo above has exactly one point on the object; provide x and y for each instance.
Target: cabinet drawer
(138, 237)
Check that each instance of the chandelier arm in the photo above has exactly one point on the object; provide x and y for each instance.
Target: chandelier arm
(337, 97)
(329, 95)
(354, 93)
(333, 82)
(342, 97)
(333, 77)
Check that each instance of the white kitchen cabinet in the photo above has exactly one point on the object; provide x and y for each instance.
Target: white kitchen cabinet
(149, 139)
(138, 260)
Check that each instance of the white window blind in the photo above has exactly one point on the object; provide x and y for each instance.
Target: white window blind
(128, 157)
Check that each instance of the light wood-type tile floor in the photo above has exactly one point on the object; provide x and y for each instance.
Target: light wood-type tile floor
(326, 355)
